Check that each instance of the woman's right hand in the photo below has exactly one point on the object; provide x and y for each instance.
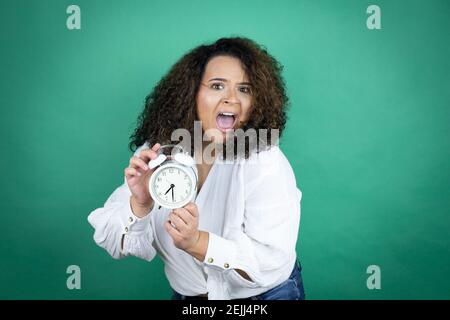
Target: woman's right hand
(138, 175)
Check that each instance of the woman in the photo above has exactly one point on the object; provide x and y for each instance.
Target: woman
(237, 239)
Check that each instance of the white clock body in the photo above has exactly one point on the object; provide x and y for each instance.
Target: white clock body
(173, 185)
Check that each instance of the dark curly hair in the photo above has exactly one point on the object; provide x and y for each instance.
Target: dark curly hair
(172, 102)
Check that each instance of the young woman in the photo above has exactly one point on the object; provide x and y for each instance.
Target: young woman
(237, 240)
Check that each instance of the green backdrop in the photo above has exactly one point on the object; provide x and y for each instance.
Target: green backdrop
(367, 136)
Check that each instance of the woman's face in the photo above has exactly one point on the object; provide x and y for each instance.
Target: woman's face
(224, 97)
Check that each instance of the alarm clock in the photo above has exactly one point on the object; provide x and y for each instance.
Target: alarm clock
(173, 184)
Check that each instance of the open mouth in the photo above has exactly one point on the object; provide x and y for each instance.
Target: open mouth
(226, 120)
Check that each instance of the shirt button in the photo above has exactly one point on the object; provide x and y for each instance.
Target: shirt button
(126, 229)
(226, 265)
(131, 219)
(210, 260)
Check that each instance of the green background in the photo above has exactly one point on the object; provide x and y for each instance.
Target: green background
(367, 137)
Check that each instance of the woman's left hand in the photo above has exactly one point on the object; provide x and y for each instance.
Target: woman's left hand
(184, 231)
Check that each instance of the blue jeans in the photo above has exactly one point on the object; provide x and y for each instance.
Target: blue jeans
(291, 289)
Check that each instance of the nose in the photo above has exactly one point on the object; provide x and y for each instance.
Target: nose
(231, 97)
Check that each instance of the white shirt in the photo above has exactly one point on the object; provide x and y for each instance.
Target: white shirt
(251, 209)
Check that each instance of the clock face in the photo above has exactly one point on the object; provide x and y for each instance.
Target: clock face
(172, 186)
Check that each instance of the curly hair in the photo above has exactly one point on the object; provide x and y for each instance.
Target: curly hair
(172, 102)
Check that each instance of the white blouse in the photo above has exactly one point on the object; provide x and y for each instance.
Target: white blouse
(251, 209)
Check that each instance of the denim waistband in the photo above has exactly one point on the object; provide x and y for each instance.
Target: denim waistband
(294, 274)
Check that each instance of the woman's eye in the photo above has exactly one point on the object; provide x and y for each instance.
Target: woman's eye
(217, 86)
(245, 89)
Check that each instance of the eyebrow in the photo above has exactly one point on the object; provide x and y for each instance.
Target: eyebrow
(225, 80)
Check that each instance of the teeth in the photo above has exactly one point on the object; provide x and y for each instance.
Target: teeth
(227, 113)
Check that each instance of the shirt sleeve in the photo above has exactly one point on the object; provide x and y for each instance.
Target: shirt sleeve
(115, 220)
(266, 241)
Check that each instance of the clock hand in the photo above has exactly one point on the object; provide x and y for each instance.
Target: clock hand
(171, 187)
(173, 200)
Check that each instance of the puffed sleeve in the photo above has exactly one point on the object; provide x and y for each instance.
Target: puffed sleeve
(265, 243)
(115, 220)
